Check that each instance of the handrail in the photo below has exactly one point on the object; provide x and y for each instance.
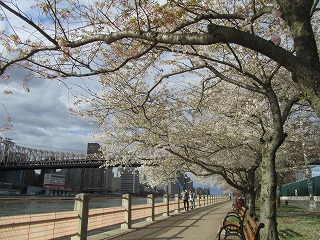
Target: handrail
(65, 224)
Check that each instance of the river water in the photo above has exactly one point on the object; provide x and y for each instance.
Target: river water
(29, 205)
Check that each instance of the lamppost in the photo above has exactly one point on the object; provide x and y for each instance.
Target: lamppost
(312, 203)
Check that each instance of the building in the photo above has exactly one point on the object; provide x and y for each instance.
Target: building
(129, 178)
(185, 182)
(54, 184)
(90, 180)
(170, 188)
(19, 179)
(175, 187)
(74, 178)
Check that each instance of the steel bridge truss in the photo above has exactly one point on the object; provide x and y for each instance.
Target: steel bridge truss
(13, 157)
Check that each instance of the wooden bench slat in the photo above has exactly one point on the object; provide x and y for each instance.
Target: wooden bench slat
(246, 225)
(252, 228)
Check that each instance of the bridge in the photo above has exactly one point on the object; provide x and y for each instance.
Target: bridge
(13, 157)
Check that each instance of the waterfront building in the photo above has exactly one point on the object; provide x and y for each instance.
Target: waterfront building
(170, 188)
(19, 179)
(202, 191)
(74, 178)
(116, 184)
(175, 187)
(97, 180)
(13, 176)
(129, 180)
(185, 182)
(54, 184)
(90, 180)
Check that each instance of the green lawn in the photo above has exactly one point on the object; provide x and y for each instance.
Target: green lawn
(298, 224)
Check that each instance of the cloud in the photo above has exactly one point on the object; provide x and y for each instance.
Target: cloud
(40, 117)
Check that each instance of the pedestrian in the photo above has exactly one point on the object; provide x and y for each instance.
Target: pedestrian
(239, 203)
(185, 197)
(191, 199)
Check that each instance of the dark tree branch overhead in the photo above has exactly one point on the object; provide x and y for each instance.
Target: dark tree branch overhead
(19, 15)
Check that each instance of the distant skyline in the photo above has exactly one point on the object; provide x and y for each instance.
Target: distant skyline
(213, 190)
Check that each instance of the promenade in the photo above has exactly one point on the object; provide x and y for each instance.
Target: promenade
(200, 224)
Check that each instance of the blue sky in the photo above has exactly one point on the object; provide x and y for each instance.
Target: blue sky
(316, 171)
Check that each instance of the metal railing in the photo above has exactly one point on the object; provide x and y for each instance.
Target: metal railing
(78, 223)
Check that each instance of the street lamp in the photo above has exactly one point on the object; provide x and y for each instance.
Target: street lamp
(312, 204)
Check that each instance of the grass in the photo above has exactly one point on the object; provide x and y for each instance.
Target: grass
(297, 224)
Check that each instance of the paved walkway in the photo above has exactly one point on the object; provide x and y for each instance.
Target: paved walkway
(197, 224)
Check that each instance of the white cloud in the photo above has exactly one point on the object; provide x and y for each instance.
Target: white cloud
(40, 117)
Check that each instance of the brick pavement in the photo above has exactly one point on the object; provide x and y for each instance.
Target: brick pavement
(200, 224)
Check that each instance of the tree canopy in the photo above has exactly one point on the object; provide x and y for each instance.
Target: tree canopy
(71, 38)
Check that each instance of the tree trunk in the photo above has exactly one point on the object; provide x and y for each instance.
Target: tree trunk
(251, 198)
(251, 194)
(268, 213)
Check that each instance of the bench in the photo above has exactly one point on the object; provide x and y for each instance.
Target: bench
(251, 228)
(240, 225)
(232, 223)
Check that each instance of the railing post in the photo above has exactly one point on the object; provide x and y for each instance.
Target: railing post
(199, 200)
(166, 200)
(150, 202)
(126, 203)
(207, 199)
(177, 200)
(82, 206)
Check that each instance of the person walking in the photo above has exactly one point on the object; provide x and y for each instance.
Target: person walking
(185, 198)
(192, 199)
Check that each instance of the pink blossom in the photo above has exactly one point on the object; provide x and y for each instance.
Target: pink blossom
(62, 42)
(63, 45)
(7, 92)
(275, 38)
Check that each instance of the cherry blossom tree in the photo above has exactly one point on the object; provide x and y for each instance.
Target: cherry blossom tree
(185, 121)
(113, 35)
(6, 125)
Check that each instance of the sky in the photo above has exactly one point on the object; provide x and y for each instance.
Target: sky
(40, 118)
